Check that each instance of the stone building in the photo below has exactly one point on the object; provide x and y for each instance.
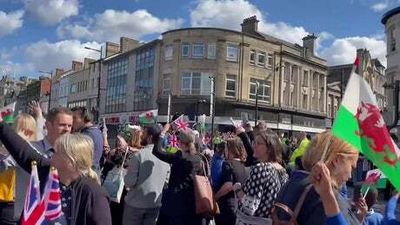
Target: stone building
(291, 80)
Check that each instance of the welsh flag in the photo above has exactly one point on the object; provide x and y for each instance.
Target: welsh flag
(7, 113)
(360, 123)
(149, 117)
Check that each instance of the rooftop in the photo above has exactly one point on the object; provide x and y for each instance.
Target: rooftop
(389, 14)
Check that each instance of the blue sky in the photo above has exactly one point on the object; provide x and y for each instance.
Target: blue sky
(47, 34)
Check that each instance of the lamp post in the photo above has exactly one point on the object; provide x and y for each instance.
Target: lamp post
(100, 51)
(51, 86)
(256, 113)
(212, 107)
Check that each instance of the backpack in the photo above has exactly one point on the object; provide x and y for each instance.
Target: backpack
(288, 211)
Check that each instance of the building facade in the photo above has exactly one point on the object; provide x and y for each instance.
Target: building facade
(39, 90)
(82, 84)
(291, 80)
(391, 21)
(130, 79)
(10, 88)
(371, 69)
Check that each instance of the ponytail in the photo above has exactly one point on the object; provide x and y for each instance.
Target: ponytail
(90, 173)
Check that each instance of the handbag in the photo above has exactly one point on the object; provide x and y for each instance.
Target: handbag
(114, 183)
(204, 196)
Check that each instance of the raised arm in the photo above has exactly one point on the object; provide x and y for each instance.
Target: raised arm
(250, 160)
(22, 151)
(163, 155)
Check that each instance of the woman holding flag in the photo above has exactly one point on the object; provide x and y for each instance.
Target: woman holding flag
(339, 158)
(84, 202)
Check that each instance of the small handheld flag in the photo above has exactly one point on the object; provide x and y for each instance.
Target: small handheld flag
(7, 113)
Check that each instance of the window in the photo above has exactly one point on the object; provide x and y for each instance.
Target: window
(264, 90)
(166, 84)
(198, 51)
(270, 60)
(261, 59)
(392, 33)
(230, 89)
(73, 88)
(195, 83)
(252, 56)
(315, 80)
(185, 50)
(305, 101)
(232, 52)
(169, 51)
(116, 90)
(211, 51)
(329, 109)
(304, 81)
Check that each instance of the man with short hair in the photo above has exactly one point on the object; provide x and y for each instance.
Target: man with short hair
(82, 122)
(58, 122)
(145, 179)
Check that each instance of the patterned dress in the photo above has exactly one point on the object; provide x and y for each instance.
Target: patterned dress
(261, 189)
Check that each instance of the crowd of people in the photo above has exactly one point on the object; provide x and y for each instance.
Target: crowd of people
(256, 175)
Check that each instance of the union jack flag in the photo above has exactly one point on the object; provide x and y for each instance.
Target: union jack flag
(181, 123)
(173, 141)
(52, 197)
(34, 207)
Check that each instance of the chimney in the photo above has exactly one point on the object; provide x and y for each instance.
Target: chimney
(309, 44)
(59, 72)
(250, 25)
(127, 44)
(111, 48)
(86, 62)
(76, 65)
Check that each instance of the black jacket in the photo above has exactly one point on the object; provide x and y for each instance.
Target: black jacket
(89, 205)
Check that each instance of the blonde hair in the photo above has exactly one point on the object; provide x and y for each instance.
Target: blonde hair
(79, 149)
(186, 137)
(25, 122)
(335, 147)
(135, 141)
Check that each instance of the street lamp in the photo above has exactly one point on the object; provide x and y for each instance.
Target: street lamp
(100, 51)
(212, 107)
(51, 85)
(256, 113)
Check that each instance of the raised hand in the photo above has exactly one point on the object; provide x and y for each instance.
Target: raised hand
(35, 109)
(321, 179)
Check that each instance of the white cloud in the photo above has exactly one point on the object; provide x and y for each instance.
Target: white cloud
(343, 50)
(379, 7)
(112, 24)
(50, 12)
(44, 55)
(224, 13)
(10, 22)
